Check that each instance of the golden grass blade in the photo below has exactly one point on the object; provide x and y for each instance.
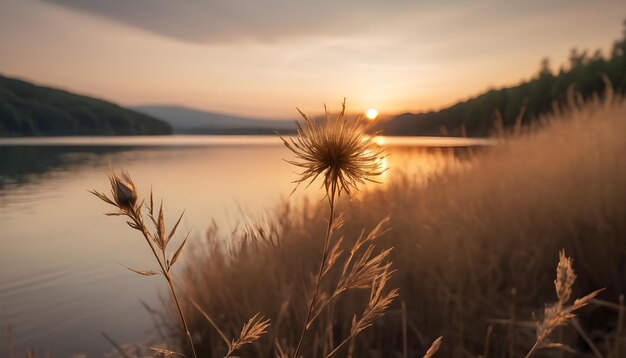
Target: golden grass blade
(434, 348)
(162, 352)
(143, 273)
(178, 252)
(161, 228)
(173, 231)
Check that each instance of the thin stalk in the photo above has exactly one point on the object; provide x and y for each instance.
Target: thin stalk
(136, 216)
(405, 349)
(331, 218)
(211, 321)
(532, 350)
(512, 325)
(487, 342)
(182, 316)
(351, 348)
(620, 327)
(339, 346)
(576, 323)
(540, 340)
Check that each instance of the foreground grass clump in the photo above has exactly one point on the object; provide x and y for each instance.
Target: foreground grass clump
(473, 250)
(125, 199)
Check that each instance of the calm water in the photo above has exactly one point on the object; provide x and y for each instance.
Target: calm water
(60, 279)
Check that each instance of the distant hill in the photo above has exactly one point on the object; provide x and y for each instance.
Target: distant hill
(587, 75)
(191, 121)
(31, 110)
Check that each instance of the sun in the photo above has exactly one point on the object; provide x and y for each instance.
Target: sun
(371, 114)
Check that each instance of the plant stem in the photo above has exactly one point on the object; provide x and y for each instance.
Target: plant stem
(620, 327)
(339, 346)
(404, 334)
(136, 216)
(331, 218)
(532, 350)
(182, 316)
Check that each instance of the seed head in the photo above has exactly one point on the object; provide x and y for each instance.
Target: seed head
(336, 148)
(123, 190)
(565, 278)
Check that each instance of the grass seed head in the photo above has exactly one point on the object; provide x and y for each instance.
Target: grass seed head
(565, 278)
(337, 149)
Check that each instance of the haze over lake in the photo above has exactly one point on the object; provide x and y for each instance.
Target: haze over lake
(62, 282)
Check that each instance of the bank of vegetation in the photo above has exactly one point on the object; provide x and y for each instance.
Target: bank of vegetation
(587, 74)
(27, 109)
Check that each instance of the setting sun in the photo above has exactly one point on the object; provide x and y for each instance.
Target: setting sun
(371, 114)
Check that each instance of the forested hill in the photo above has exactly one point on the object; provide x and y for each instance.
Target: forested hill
(476, 117)
(30, 110)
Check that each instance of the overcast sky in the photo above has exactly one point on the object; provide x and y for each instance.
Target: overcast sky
(263, 58)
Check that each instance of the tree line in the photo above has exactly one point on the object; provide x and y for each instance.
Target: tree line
(586, 73)
(30, 110)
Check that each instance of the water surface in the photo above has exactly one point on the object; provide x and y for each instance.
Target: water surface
(61, 282)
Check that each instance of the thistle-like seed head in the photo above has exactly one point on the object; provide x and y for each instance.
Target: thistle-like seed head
(123, 190)
(337, 149)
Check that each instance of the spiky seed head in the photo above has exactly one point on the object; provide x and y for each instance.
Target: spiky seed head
(123, 190)
(336, 148)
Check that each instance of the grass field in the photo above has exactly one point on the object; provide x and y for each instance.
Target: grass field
(474, 252)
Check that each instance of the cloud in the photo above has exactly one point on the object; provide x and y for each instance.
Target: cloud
(266, 21)
(246, 20)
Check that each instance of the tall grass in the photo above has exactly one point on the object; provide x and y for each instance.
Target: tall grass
(473, 251)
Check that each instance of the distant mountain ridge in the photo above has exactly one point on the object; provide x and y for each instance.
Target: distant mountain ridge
(27, 109)
(193, 121)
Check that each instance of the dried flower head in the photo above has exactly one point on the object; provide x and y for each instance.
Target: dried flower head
(123, 191)
(337, 149)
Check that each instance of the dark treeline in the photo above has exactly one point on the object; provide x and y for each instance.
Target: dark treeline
(585, 74)
(30, 110)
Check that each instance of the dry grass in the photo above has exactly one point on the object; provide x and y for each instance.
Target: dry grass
(472, 252)
(560, 313)
(337, 149)
(125, 200)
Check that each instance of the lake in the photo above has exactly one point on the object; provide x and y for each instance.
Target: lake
(61, 279)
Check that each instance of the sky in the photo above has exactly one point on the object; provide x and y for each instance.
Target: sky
(264, 58)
